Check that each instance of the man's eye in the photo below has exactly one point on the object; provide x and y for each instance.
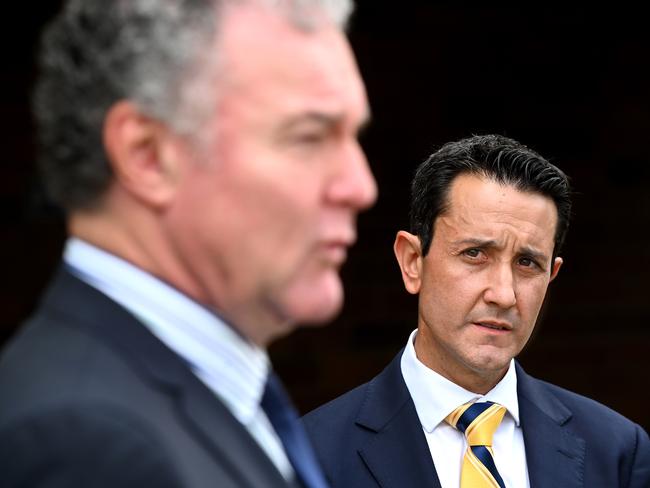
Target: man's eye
(308, 138)
(472, 253)
(527, 262)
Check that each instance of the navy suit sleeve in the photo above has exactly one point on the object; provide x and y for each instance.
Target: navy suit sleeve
(66, 449)
(640, 471)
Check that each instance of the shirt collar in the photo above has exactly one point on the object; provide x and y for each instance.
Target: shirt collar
(232, 367)
(435, 396)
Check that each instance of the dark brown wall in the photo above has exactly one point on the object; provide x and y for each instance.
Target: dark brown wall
(572, 83)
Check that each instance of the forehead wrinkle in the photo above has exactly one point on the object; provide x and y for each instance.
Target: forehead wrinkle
(520, 211)
(328, 79)
(248, 28)
(471, 229)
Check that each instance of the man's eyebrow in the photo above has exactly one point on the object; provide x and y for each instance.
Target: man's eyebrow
(326, 119)
(533, 253)
(319, 118)
(484, 243)
(488, 243)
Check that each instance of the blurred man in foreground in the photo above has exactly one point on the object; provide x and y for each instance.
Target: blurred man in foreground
(206, 152)
(454, 409)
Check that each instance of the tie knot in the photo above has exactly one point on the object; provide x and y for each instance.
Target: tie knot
(478, 421)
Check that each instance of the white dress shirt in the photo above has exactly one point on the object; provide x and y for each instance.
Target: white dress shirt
(435, 397)
(232, 367)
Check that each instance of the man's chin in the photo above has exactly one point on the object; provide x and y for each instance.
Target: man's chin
(316, 303)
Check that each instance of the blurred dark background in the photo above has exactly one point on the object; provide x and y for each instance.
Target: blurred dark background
(572, 83)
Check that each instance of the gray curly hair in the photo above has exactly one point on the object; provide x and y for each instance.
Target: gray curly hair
(96, 53)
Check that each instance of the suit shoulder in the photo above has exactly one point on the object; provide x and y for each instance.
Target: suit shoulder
(615, 443)
(46, 363)
(86, 446)
(338, 412)
(335, 433)
(584, 406)
(591, 419)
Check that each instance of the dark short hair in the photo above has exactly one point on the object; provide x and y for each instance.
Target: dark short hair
(497, 158)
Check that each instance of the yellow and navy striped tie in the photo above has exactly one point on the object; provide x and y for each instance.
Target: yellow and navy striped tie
(478, 421)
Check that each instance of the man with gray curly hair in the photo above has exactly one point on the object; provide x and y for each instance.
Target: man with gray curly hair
(206, 154)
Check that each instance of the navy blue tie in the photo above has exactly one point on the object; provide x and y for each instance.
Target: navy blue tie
(284, 419)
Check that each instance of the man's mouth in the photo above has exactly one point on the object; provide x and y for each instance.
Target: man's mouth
(335, 249)
(335, 252)
(494, 325)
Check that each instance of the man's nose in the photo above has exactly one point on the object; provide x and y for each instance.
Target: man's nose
(500, 289)
(353, 185)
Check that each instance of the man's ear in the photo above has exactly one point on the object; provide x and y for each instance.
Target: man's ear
(141, 153)
(409, 257)
(557, 264)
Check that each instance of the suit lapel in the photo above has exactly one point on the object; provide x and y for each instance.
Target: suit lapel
(555, 457)
(208, 419)
(398, 454)
(226, 438)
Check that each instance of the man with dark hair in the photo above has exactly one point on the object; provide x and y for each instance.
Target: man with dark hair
(454, 409)
(206, 153)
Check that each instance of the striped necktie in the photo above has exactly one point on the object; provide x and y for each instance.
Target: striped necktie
(478, 421)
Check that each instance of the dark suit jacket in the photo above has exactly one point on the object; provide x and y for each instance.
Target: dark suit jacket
(371, 437)
(90, 398)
